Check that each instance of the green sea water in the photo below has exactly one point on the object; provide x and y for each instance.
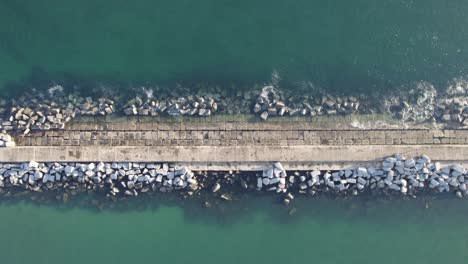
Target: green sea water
(338, 44)
(360, 45)
(321, 231)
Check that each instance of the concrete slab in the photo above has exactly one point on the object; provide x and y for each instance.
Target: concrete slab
(239, 157)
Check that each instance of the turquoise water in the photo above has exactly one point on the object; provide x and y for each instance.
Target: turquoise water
(342, 45)
(321, 231)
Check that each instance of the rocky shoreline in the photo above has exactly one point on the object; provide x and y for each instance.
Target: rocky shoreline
(397, 176)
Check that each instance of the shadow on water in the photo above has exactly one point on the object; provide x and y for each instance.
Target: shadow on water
(212, 210)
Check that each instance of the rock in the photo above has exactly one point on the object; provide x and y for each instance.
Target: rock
(226, 197)
(361, 171)
(315, 173)
(259, 183)
(216, 187)
(279, 166)
(458, 169)
(410, 163)
(33, 165)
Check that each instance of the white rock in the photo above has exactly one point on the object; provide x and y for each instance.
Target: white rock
(159, 178)
(100, 167)
(216, 187)
(279, 166)
(315, 173)
(404, 189)
(33, 165)
(462, 187)
(361, 171)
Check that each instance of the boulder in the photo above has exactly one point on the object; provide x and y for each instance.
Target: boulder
(216, 187)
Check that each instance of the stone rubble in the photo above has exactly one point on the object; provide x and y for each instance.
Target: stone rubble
(53, 109)
(417, 105)
(46, 111)
(424, 104)
(6, 140)
(272, 102)
(396, 176)
(124, 178)
(181, 106)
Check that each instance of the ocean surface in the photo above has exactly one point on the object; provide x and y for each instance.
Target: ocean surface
(340, 45)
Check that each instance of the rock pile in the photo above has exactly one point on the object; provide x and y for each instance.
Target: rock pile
(88, 106)
(6, 140)
(424, 104)
(45, 111)
(190, 106)
(271, 102)
(43, 117)
(396, 176)
(273, 179)
(415, 106)
(126, 178)
(53, 109)
(452, 111)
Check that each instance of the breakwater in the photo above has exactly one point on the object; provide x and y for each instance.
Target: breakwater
(224, 144)
(396, 175)
(53, 109)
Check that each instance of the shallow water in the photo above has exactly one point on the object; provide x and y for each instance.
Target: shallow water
(341, 45)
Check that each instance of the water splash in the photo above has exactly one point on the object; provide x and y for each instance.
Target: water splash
(56, 89)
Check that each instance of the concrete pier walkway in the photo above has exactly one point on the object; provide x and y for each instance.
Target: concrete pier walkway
(231, 143)
(239, 157)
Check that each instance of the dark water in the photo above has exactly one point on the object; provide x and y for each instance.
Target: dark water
(342, 45)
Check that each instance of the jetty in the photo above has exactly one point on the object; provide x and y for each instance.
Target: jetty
(266, 141)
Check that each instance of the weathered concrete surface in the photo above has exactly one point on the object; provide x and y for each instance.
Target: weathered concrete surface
(218, 132)
(237, 143)
(239, 157)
